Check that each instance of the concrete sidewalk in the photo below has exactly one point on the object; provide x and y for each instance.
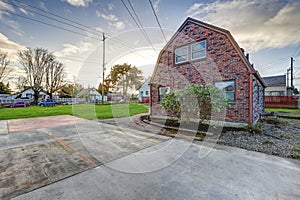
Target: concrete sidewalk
(225, 173)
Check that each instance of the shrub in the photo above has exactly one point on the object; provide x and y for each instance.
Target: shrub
(195, 101)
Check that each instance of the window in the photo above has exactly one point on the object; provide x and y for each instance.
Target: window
(181, 54)
(190, 52)
(147, 93)
(162, 91)
(198, 50)
(228, 87)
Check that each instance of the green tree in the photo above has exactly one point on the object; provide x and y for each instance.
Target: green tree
(125, 77)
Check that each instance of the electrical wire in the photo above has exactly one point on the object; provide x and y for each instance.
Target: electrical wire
(138, 25)
(45, 23)
(58, 16)
(154, 12)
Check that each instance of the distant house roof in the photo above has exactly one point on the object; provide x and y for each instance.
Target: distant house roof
(275, 80)
(147, 82)
(89, 91)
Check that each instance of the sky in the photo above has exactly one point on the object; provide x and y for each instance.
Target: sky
(73, 30)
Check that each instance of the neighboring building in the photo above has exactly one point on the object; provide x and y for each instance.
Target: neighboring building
(114, 97)
(91, 95)
(29, 93)
(275, 85)
(200, 53)
(144, 91)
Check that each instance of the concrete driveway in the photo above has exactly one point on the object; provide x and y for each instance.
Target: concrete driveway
(83, 159)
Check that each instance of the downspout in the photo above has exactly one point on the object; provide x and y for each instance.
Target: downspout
(251, 100)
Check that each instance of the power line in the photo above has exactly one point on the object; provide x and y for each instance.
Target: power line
(65, 29)
(53, 14)
(153, 10)
(62, 22)
(45, 23)
(138, 25)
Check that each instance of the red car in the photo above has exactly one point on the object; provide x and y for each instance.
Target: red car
(18, 104)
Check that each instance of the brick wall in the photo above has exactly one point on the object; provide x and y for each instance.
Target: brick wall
(222, 62)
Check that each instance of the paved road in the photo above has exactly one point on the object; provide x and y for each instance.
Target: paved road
(226, 173)
(81, 159)
(39, 151)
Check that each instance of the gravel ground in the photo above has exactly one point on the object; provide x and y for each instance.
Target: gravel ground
(279, 136)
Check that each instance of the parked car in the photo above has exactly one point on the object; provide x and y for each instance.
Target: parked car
(71, 103)
(18, 104)
(48, 103)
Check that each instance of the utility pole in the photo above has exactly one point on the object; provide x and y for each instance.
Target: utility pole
(287, 77)
(103, 68)
(292, 78)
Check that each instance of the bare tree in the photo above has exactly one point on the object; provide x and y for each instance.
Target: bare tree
(4, 63)
(54, 77)
(21, 83)
(35, 63)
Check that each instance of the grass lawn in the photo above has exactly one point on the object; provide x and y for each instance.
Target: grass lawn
(87, 111)
(281, 110)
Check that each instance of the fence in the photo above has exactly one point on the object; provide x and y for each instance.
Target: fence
(281, 101)
(5, 101)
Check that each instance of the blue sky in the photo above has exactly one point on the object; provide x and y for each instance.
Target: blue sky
(269, 30)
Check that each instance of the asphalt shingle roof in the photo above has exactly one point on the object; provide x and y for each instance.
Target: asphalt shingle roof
(275, 80)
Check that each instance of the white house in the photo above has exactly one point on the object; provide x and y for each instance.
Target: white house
(276, 85)
(91, 95)
(29, 93)
(144, 91)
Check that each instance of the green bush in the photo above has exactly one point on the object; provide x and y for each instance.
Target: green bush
(195, 101)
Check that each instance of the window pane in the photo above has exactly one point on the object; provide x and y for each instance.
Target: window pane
(181, 54)
(228, 88)
(200, 54)
(181, 58)
(198, 50)
(199, 46)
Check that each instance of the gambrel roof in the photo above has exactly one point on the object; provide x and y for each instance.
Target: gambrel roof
(217, 29)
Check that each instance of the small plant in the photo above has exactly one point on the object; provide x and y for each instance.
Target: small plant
(255, 129)
(267, 142)
(298, 152)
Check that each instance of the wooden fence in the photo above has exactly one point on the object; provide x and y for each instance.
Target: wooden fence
(281, 101)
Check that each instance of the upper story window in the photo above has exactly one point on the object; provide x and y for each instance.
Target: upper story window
(198, 50)
(181, 54)
(190, 52)
(228, 87)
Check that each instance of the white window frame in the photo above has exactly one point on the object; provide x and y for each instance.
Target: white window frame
(180, 55)
(201, 50)
(162, 91)
(189, 52)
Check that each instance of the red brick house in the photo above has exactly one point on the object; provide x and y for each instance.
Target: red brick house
(200, 53)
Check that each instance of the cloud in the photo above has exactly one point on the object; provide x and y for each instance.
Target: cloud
(78, 3)
(254, 24)
(42, 6)
(23, 11)
(10, 47)
(113, 21)
(155, 5)
(110, 6)
(75, 49)
(110, 17)
(6, 7)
